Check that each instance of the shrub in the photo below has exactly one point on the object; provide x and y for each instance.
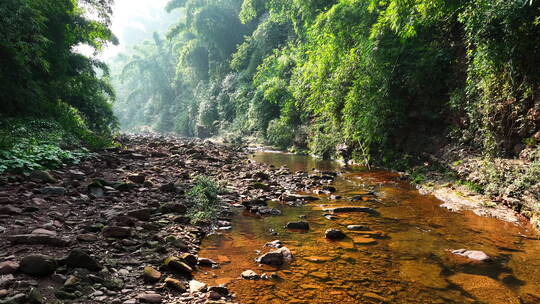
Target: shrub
(204, 198)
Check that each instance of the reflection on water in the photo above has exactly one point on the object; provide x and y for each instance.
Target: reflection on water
(404, 258)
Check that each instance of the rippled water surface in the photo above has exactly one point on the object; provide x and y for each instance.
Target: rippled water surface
(404, 258)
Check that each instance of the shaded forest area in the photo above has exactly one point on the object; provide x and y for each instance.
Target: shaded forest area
(392, 83)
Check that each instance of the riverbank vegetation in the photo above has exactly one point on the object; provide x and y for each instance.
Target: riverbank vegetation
(53, 97)
(372, 75)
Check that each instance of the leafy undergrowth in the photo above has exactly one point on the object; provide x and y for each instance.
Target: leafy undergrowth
(204, 198)
(33, 144)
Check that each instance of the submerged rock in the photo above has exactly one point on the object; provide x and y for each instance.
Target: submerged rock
(358, 228)
(475, 255)
(347, 209)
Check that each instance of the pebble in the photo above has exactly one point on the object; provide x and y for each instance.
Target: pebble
(151, 275)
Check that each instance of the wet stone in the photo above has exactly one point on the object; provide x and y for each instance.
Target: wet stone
(358, 228)
(348, 209)
(334, 234)
(475, 255)
(274, 258)
(250, 275)
(300, 225)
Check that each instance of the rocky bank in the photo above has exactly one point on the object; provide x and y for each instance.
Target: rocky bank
(114, 228)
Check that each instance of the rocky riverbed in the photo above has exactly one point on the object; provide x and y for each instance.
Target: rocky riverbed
(113, 228)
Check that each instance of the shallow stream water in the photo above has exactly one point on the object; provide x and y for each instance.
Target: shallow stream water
(404, 257)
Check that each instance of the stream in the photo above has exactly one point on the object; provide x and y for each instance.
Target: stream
(404, 257)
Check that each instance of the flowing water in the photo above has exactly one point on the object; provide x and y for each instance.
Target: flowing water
(404, 258)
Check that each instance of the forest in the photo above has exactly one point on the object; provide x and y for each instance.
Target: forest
(441, 95)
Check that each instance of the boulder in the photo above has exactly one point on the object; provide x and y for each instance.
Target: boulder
(78, 258)
(334, 234)
(300, 225)
(38, 265)
(273, 258)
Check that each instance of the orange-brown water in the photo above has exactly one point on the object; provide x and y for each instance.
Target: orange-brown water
(404, 259)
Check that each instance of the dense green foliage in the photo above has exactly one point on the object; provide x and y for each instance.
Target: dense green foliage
(27, 145)
(41, 73)
(203, 199)
(368, 75)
